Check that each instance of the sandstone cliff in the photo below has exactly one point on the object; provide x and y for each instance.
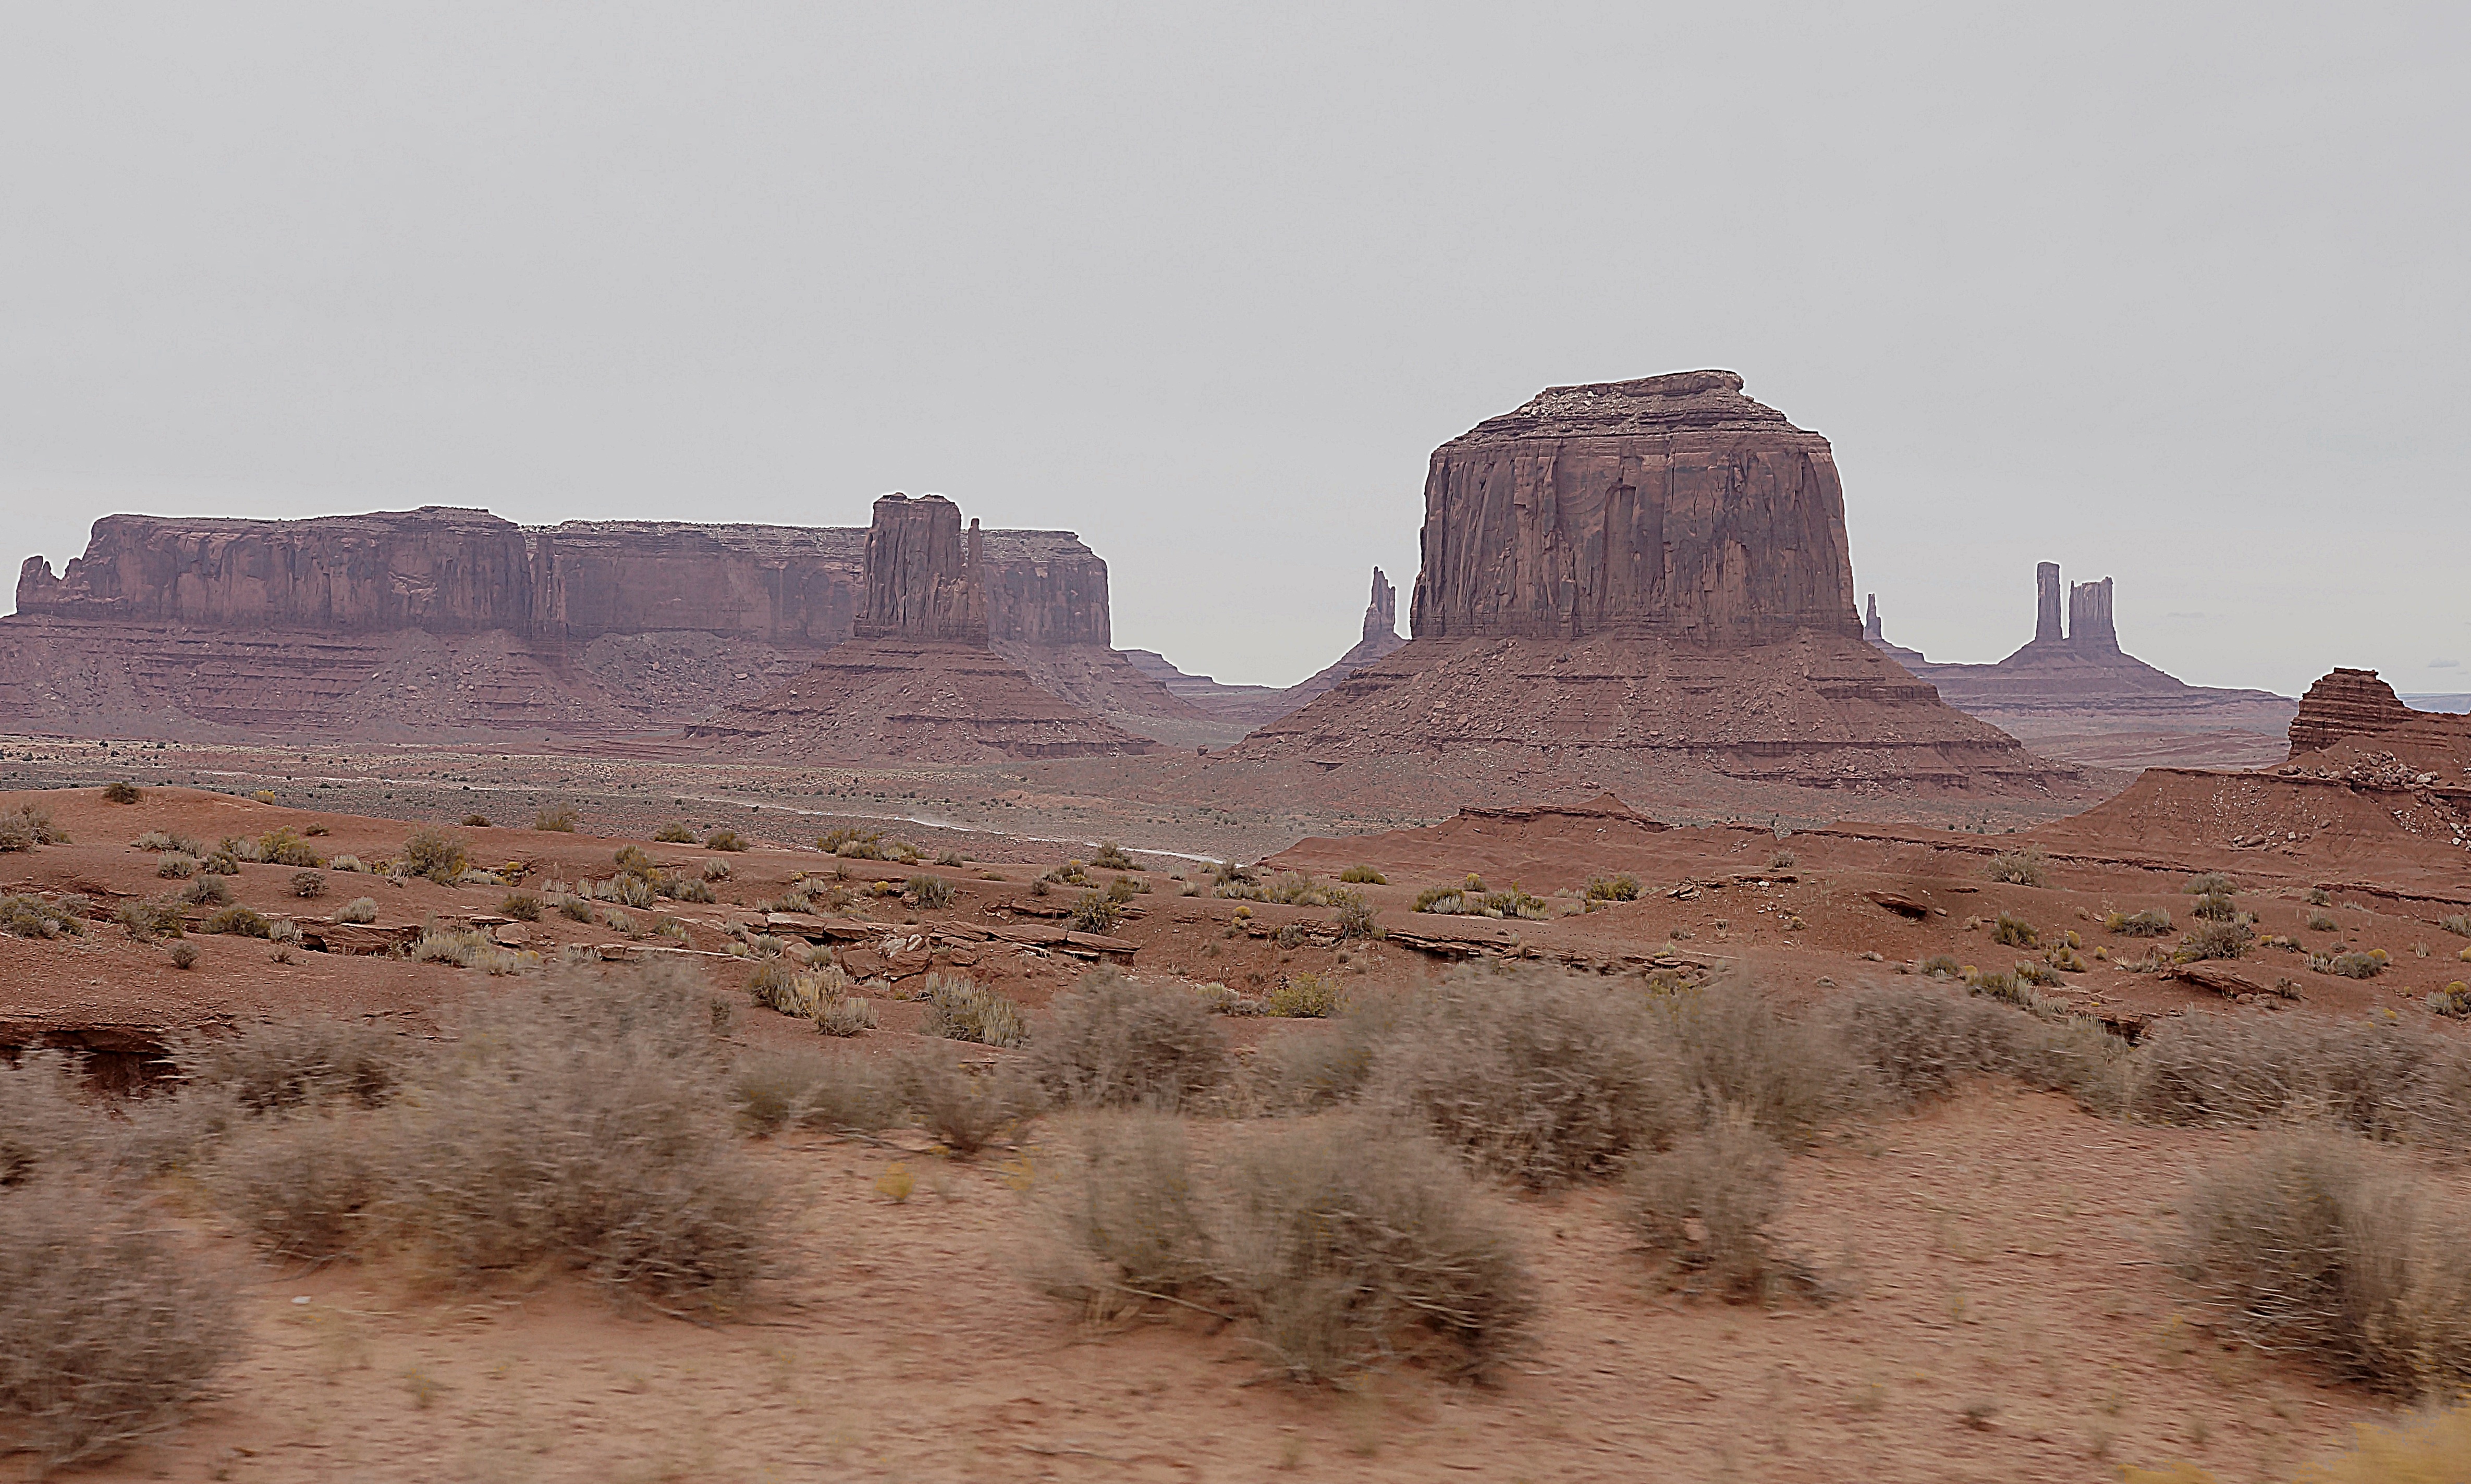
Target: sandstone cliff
(1644, 579)
(1670, 504)
(2347, 703)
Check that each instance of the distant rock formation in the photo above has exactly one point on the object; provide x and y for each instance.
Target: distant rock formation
(221, 629)
(2074, 693)
(2346, 704)
(1248, 706)
(917, 681)
(1649, 573)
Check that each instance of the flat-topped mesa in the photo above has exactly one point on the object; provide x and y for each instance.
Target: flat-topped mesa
(923, 577)
(1671, 505)
(2346, 704)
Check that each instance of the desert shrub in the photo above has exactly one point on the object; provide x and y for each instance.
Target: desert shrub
(2025, 867)
(2383, 1079)
(2307, 1245)
(1363, 876)
(25, 916)
(1097, 912)
(183, 954)
(844, 1016)
(851, 842)
(2210, 884)
(1790, 1076)
(2215, 940)
(205, 892)
(476, 821)
(1111, 1042)
(716, 870)
(521, 905)
(220, 862)
(359, 910)
(2005, 987)
(1123, 888)
(307, 883)
(2355, 966)
(2459, 924)
(1531, 1074)
(1706, 1205)
(122, 792)
(1517, 902)
(112, 1327)
(285, 847)
(726, 840)
(1344, 1247)
(1304, 997)
(575, 909)
(1447, 901)
(41, 1119)
(965, 1109)
(2323, 922)
(276, 1066)
(471, 950)
(236, 920)
(1939, 966)
(2151, 923)
(558, 818)
(344, 863)
(1612, 889)
(2214, 907)
(584, 1126)
(25, 826)
(156, 917)
(962, 1009)
(808, 1089)
(157, 839)
(237, 849)
(436, 855)
(1111, 856)
(674, 834)
(932, 892)
(304, 1185)
(951, 857)
(2016, 933)
(1355, 917)
(2453, 1001)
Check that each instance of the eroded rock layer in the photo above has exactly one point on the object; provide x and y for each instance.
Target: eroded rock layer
(2345, 703)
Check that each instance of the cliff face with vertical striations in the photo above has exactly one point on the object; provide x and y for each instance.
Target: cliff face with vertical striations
(1649, 581)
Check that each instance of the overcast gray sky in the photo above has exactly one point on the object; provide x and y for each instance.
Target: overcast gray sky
(2174, 293)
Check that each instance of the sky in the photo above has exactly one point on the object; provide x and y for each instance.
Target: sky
(2170, 293)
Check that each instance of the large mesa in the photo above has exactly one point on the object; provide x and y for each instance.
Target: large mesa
(1645, 581)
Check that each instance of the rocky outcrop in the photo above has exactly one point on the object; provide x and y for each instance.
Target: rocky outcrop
(1645, 576)
(1671, 505)
(2347, 703)
(2073, 693)
(917, 681)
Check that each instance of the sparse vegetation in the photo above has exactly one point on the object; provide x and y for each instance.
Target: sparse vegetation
(435, 855)
(674, 834)
(1706, 1205)
(932, 892)
(1111, 1042)
(307, 883)
(2323, 922)
(1363, 876)
(2214, 907)
(2210, 884)
(183, 954)
(808, 1089)
(2025, 867)
(966, 1111)
(1111, 856)
(122, 792)
(2016, 931)
(2459, 924)
(521, 905)
(1304, 997)
(476, 821)
(726, 840)
(359, 910)
(25, 826)
(558, 818)
(2355, 966)
(1612, 889)
(962, 1009)
(237, 920)
(2215, 940)
(1097, 912)
(2150, 923)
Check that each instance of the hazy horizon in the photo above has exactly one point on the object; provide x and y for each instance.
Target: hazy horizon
(2174, 297)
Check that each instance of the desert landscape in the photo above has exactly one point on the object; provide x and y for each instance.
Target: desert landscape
(1097, 743)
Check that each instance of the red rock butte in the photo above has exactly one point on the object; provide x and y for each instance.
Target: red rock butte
(917, 682)
(1647, 574)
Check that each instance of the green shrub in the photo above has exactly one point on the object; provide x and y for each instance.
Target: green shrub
(2307, 1245)
(674, 834)
(25, 916)
(286, 847)
(435, 855)
(2151, 923)
(1304, 997)
(931, 892)
(2214, 907)
(236, 920)
(1097, 912)
(521, 905)
(1612, 889)
(2025, 867)
(1448, 901)
(558, 818)
(1363, 876)
(960, 1009)
(726, 840)
(2215, 940)
(1111, 1042)
(25, 826)
(207, 891)
(122, 792)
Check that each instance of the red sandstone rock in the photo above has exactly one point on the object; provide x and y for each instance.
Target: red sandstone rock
(922, 573)
(2346, 704)
(1651, 569)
